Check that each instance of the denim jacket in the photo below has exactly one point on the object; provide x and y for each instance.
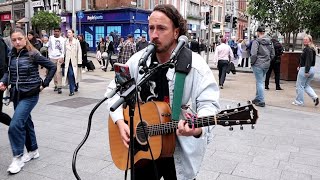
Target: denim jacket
(202, 93)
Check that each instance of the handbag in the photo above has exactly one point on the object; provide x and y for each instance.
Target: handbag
(104, 55)
(6, 96)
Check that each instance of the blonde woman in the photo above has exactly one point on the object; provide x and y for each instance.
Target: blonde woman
(73, 62)
(26, 84)
(306, 73)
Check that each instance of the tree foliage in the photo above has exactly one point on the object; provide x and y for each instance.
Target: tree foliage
(287, 16)
(45, 20)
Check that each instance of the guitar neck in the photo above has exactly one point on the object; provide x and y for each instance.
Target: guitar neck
(170, 127)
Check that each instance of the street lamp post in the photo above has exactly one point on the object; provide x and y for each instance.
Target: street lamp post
(74, 19)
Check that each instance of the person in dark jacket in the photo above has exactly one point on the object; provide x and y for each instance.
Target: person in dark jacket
(194, 46)
(109, 46)
(4, 118)
(306, 73)
(143, 43)
(84, 50)
(275, 64)
(26, 84)
(32, 37)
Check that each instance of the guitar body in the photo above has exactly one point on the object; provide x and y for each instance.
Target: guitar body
(153, 113)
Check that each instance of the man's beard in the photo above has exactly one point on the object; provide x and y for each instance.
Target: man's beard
(165, 48)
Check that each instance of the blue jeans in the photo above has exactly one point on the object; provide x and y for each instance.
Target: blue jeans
(303, 85)
(71, 79)
(21, 129)
(259, 74)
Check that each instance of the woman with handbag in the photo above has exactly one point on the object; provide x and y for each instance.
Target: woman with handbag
(101, 49)
(26, 84)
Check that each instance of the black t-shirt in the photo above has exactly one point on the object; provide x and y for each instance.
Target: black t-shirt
(156, 88)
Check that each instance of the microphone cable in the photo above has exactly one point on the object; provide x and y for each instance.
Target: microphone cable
(74, 158)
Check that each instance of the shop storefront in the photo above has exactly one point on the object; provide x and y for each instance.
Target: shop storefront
(5, 24)
(113, 23)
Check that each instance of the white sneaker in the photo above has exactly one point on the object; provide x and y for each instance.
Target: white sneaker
(30, 155)
(16, 165)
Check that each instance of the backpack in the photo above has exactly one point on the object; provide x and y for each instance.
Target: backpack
(278, 49)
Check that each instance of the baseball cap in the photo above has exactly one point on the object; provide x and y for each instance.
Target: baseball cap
(261, 29)
(129, 36)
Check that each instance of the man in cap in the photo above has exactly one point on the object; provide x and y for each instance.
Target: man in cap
(262, 52)
(142, 43)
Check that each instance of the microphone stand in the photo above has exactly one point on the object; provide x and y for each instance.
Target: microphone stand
(129, 98)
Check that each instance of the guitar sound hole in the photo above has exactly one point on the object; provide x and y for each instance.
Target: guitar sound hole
(140, 135)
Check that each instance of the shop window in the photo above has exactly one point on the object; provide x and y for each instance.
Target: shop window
(99, 32)
(89, 37)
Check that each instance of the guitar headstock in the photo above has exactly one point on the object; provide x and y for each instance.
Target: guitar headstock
(241, 115)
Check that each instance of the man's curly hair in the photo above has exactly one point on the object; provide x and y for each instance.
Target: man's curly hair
(175, 16)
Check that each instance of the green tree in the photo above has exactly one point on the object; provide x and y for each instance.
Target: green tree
(285, 16)
(45, 20)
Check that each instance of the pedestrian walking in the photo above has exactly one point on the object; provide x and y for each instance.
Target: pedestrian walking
(73, 62)
(244, 54)
(26, 84)
(306, 73)
(101, 47)
(109, 46)
(84, 49)
(223, 55)
(56, 54)
(128, 50)
(4, 60)
(194, 45)
(143, 43)
(275, 64)
(262, 52)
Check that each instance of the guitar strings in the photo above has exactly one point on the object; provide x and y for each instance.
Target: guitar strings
(172, 125)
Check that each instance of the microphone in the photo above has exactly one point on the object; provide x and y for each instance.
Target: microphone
(181, 42)
(150, 49)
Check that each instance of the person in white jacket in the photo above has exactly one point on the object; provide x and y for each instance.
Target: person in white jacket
(200, 91)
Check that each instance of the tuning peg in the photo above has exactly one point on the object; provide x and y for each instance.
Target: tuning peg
(228, 107)
(249, 102)
(239, 104)
(230, 128)
(252, 126)
(241, 127)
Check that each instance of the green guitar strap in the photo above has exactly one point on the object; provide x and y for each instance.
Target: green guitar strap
(177, 95)
(183, 67)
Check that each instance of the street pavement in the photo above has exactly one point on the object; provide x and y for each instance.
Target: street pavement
(284, 145)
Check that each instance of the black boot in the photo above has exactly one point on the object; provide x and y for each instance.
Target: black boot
(76, 88)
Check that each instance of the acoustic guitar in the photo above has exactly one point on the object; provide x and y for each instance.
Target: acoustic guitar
(160, 130)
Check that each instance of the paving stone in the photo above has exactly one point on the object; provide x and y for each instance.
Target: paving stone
(265, 161)
(219, 165)
(232, 177)
(92, 80)
(273, 154)
(256, 172)
(28, 176)
(75, 102)
(304, 159)
(232, 156)
(299, 168)
(288, 148)
(310, 151)
(290, 175)
(205, 175)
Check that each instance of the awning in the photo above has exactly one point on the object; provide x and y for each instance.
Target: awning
(23, 20)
